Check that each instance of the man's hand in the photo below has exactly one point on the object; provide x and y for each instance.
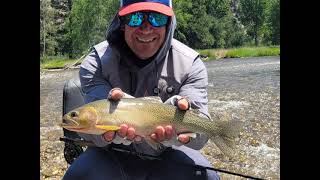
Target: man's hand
(116, 94)
(166, 133)
(125, 131)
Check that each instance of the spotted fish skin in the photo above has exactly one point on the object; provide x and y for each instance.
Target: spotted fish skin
(145, 114)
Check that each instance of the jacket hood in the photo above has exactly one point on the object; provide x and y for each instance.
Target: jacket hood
(115, 38)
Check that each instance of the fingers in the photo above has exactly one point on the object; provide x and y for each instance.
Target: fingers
(131, 133)
(125, 132)
(159, 134)
(183, 138)
(183, 104)
(168, 132)
(162, 133)
(122, 132)
(109, 135)
(115, 94)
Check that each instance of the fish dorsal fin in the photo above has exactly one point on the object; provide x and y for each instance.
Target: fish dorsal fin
(153, 98)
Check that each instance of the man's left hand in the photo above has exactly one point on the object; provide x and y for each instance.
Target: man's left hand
(166, 133)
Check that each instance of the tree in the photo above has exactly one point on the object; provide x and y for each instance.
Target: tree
(270, 31)
(71, 27)
(63, 8)
(183, 17)
(235, 34)
(47, 28)
(226, 28)
(252, 15)
(274, 20)
(218, 8)
(193, 23)
(87, 23)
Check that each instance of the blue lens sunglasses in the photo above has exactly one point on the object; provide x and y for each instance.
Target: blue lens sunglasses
(155, 19)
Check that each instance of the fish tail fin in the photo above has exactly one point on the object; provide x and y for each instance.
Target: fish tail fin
(224, 137)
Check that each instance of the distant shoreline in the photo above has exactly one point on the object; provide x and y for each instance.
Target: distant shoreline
(59, 63)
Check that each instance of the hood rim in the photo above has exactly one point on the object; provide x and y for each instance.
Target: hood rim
(115, 38)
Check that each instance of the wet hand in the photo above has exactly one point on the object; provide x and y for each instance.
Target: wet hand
(166, 133)
(182, 103)
(115, 94)
(125, 132)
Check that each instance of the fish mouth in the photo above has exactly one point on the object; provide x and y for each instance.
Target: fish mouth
(70, 124)
(72, 127)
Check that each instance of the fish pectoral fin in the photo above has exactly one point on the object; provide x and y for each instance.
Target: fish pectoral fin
(108, 128)
(155, 145)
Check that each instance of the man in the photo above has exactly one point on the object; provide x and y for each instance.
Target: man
(141, 58)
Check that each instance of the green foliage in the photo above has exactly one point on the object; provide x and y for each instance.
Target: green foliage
(53, 32)
(207, 24)
(274, 19)
(54, 62)
(236, 35)
(193, 23)
(209, 53)
(218, 8)
(212, 54)
(253, 52)
(63, 8)
(252, 15)
(47, 28)
(88, 22)
(269, 32)
(71, 27)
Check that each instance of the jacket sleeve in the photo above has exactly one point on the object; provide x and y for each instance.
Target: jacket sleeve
(95, 87)
(194, 88)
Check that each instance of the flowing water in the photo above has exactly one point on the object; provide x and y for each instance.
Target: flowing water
(247, 89)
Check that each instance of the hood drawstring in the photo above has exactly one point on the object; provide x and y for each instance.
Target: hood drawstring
(156, 89)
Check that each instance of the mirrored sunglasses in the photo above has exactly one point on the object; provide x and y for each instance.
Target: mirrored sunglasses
(155, 19)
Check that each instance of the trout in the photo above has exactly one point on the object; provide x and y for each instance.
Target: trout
(145, 114)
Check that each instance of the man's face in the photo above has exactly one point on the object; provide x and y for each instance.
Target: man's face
(145, 40)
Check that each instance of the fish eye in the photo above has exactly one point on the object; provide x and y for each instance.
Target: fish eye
(73, 114)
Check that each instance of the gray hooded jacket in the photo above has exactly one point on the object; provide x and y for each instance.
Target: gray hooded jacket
(174, 70)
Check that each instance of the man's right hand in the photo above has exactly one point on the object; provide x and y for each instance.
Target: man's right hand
(125, 131)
